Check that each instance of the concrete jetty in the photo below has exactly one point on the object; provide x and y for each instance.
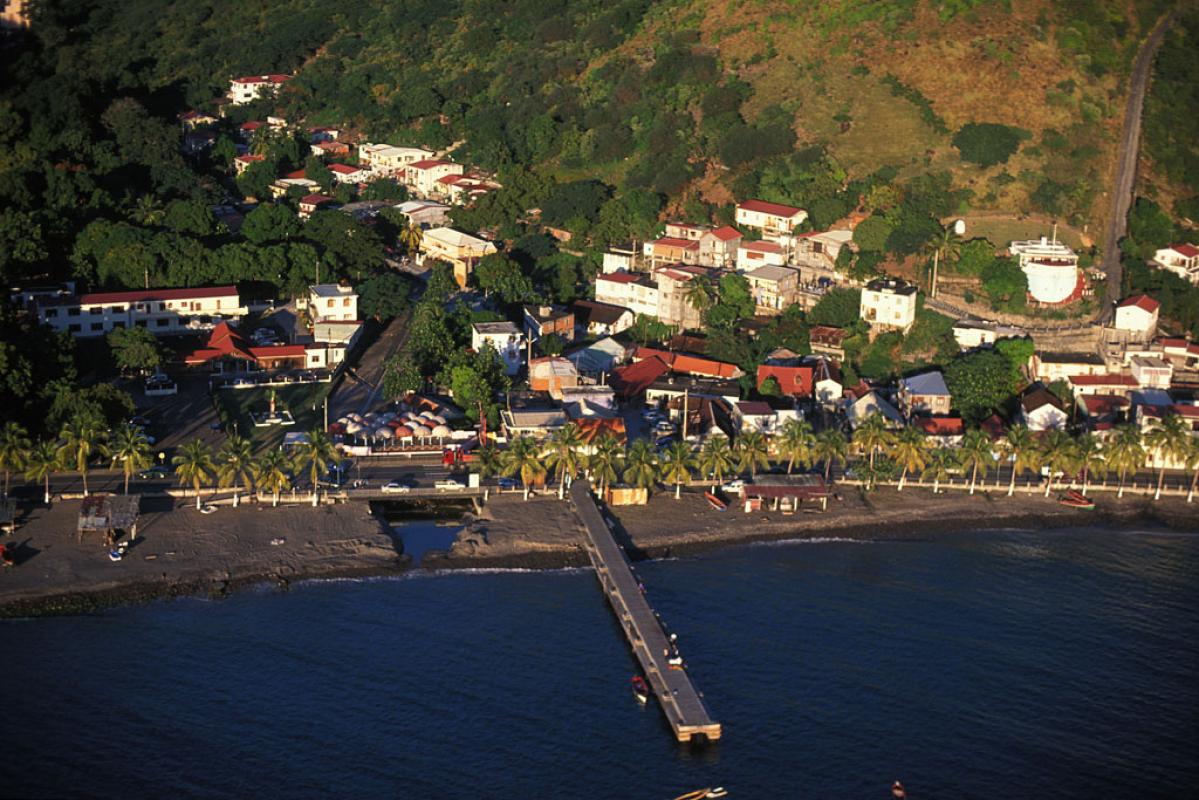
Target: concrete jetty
(681, 704)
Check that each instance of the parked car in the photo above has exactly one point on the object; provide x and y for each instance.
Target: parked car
(508, 483)
(734, 486)
(153, 474)
(448, 485)
(394, 487)
(664, 427)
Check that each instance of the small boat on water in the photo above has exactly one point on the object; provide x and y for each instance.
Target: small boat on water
(704, 794)
(1076, 499)
(640, 689)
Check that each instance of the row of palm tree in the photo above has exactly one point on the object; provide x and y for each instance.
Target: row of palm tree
(196, 464)
(1126, 450)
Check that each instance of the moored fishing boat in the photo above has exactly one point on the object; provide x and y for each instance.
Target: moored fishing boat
(640, 689)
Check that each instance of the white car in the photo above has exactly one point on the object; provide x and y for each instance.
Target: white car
(448, 485)
(664, 427)
(394, 487)
(734, 486)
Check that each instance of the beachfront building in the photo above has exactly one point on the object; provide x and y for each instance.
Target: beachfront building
(160, 311)
(1041, 410)
(1051, 268)
(889, 304)
(925, 393)
(774, 220)
(503, 337)
(461, 250)
(1181, 259)
(868, 404)
(332, 302)
(249, 88)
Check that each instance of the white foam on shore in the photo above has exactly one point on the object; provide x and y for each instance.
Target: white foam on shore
(812, 540)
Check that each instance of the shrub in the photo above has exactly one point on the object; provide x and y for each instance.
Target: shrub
(987, 143)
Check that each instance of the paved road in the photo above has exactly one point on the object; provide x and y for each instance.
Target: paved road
(1126, 165)
(359, 389)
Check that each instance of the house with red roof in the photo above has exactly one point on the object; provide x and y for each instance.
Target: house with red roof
(942, 430)
(422, 176)
(1138, 316)
(774, 220)
(672, 250)
(249, 88)
(309, 203)
(1181, 259)
(160, 311)
(704, 245)
(751, 255)
(346, 173)
(242, 163)
(329, 148)
(631, 380)
(687, 364)
(794, 380)
(227, 350)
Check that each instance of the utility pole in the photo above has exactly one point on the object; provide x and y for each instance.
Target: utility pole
(686, 410)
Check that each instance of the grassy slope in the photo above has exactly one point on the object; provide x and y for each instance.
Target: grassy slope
(989, 64)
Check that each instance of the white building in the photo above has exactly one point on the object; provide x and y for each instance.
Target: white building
(633, 291)
(389, 160)
(422, 176)
(249, 88)
(889, 304)
(345, 173)
(1051, 268)
(503, 337)
(970, 333)
(423, 213)
(1151, 372)
(461, 250)
(618, 259)
(160, 311)
(1040, 410)
(332, 302)
(751, 255)
(1138, 315)
(774, 220)
(1181, 259)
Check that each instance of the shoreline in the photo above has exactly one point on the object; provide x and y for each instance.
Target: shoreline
(511, 534)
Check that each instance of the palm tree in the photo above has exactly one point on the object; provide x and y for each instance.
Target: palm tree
(193, 464)
(1193, 463)
(317, 453)
(753, 452)
(523, 459)
(910, 451)
(235, 464)
(975, 453)
(641, 465)
(80, 440)
(872, 435)
(945, 247)
(40, 463)
(271, 473)
(1124, 451)
(676, 464)
(1059, 453)
(940, 463)
(830, 446)
(606, 458)
(1088, 451)
(716, 459)
(1167, 439)
(564, 457)
(410, 237)
(14, 449)
(700, 295)
(488, 460)
(131, 447)
(1022, 451)
(795, 442)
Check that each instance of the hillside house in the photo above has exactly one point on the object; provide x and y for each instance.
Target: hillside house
(1050, 367)
(774, 220)
(552, 374)
(1102, 383)
(941, 431)
(424, 213)
(422, 176)
(332, 302)
(751, 255)
(242, 163)
(1138, 316)
(309, 203)
(635, 291)
(1151, 372)
(1181, 259)
(820, 248)
(671, 250)
(971, 334)
(795, 379)
(673, 306)
(827, 340)
(602, 319)
(329, 149)
(889, 304)
(546, 320)
(869, 403)
(774, 289)
(249, 88)
(387, 160)
(345, 173)
(461, 250)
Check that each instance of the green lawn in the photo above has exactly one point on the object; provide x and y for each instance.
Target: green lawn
(234, 406)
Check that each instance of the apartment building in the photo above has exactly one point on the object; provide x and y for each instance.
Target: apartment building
(160, 311)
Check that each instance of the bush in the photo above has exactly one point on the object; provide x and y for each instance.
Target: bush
(987, 143)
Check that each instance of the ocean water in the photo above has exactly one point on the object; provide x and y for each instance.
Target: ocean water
(1058, 664)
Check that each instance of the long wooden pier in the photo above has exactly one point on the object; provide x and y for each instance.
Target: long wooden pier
(681, 704)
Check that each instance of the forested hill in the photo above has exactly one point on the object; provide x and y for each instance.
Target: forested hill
(689, 101)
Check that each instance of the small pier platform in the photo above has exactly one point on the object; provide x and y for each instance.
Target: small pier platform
(682, 705)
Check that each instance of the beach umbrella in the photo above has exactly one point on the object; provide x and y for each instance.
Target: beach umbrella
(426, 414)
(420, 430)
(442, 432)
(438, 418)
(384, 433)
(403, 432)
(354, 427)
(395, 423)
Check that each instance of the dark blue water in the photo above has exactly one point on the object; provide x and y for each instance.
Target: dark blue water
(1017, 664)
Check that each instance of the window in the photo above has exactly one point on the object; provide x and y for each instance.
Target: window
(330, 304)
(345, 303)
(72, 312)
(97, 326)
(74, 328)
(120, 325)
(162, 322)
(51, 313)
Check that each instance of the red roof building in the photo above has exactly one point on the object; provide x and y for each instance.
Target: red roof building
(773, 209)
(632, 380)
(689, 364)
(794, 381)
(1141, 301)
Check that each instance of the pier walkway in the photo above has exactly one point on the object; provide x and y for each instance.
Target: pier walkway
(681, 704)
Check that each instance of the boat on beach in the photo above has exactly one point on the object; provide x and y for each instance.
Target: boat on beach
(715, 501)
(1076, 499)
